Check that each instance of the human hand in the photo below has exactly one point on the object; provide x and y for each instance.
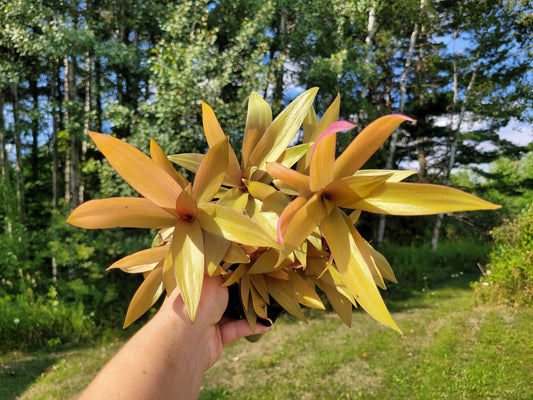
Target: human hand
(210, 326)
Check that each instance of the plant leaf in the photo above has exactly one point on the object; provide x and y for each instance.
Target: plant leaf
(258, 119)
(394, 175)
(141, 261)
(125, 212)
(211, 172)
(303, 223)
(234, 198)
(310, 136)
(366, 143)
(283, 293)
(188, 262)
(145, 297)
(140, 171)
(345, 245)
(214, 134)
(345, 191)
(189, 161)
(159, 156)
(294, 179)
(214, 249)
(419, 199)
(232, 225)
(281, 131)
(304, 292)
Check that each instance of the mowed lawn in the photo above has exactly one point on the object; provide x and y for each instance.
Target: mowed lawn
(451, 348)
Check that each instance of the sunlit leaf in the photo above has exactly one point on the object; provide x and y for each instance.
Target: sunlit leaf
(214, 249)
(186, 205)
(265, 263)
(303, 223)
(315, 129)
(281, 131)
(382, 264)
(304, 292)
(419, 199)
(188, 261)
(236, 275)
(145, 297)
(345, 191)
(211, 172)
(125, 212)
(159, 156)
(346, 247)
(234, 198)
(236, 255)
(258, 119)
(296, 180)
(233, 225)
(189, 161)
(394, 175)
(259, 304)
(140, 171)
(141, 261)
(366, 143)
(293, 154)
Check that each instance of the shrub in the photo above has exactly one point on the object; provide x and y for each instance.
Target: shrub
(29, 322)
(420, 268)
(509, 275)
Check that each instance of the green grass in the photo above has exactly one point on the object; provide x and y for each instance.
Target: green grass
(451, 348)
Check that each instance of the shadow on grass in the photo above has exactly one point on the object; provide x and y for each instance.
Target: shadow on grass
(18, 375)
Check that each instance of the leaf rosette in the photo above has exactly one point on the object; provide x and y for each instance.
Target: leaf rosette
(274, 224)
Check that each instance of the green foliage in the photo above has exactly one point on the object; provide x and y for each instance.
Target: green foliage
(418, 268)
(28, 321)
(509, 275)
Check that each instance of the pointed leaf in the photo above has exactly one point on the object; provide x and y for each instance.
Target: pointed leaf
(288, 214)
(293, 154)
(303, 223)
(125, 212)
(330, 116)
(159, 156)
(258, 302)
(281, 131)
(234, 198)
(259, 190)
(294, 179)
(169, 277)
(345, 191)
(382, 264)
(366, 143)
(140, 171)
(233, 225)
(304, 292)
(186, 206)
(283, 293)
(265, 263)
(189, 161)
(214, 249)
(211, 172)
(257, 121)
(236, 255)
(145, 297)
(141, 261)
(258, 282)
(188, 261)
(214, 134)
(419, 199)
(340, 304)
(345, 245)
(394, 175)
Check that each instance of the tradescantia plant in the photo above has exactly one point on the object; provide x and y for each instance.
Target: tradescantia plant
(276, 224)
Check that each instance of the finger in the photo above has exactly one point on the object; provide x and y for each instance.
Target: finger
(234, 330)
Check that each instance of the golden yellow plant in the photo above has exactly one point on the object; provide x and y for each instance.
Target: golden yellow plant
(274, 224)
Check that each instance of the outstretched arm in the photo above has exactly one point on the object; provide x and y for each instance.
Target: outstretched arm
(167, 358)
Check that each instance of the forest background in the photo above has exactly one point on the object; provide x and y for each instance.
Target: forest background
(137, 70)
